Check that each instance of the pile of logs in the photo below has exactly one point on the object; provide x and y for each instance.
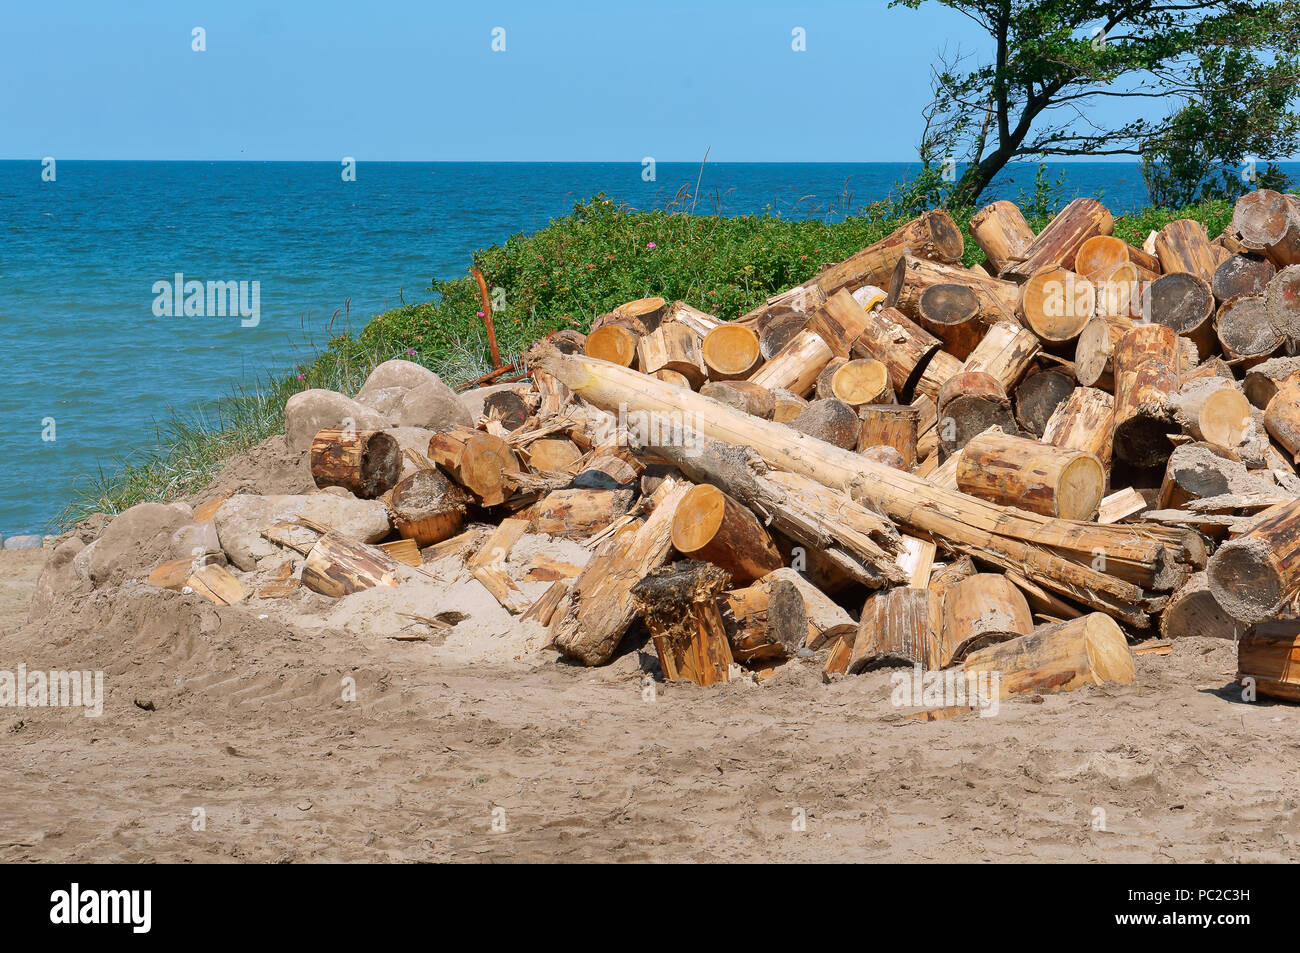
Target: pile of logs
(1027, 465)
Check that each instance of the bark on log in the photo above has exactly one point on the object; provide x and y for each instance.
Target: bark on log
(1146, 376)
(695, 319)
(1094, 364)
(899, 626)
(825, 621)
(1184, 247)
(711, 526)
(1245, 332)
(673, 347)
(969, 404)
(427, 507)
(579, 513)
(831, 420)
(933, 236)
(680, 607)
(1084, 422)
(1268, 222)
(641, 316)
(1193, 610)
(366, 463)
(337, 566)
(839, 322)
(1089, 650)
(999, 299)
(765, 621)
(978, 611)
(778, 329)
(902, 345)
(1267, 654)
(1002, 233)
(1213, 410)
(890, 425)
(731, 352)
(1060, 240)
(1282, 416)
(1254, 575)
(747, 396)
(1005, 353)
(952, 313)
(941, 367)
(1263, 380)
(1034, 476)
(1282, 299)
(477, 461)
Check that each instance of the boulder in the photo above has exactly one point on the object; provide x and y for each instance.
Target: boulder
(240, 520)
(413, 438)
(432, 405)
(399, 374)
(385, 401)
(311, 411)
(58, 578)
(136, 541)
(195, 539)
(24, 542)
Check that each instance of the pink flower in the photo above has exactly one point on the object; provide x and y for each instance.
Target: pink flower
(481, 314)
(410, 351)
(651, 245)
(299, 377)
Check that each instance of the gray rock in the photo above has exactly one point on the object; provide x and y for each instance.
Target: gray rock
(195, 539)
(240, 520)
(406, 375)
(413, 438)
(136, 541)
(24, 542)
(311, 411)
(432, 405)
(385, 401)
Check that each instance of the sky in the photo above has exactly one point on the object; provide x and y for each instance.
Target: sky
(392, 80)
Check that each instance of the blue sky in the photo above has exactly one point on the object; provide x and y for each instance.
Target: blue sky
(395, 80)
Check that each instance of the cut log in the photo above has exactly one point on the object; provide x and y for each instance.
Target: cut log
(902, 345)
(1282, 416)
(1057, 244)
(337, 566)
(1005, 353)
(1146, 376)
(1099, 256)
(1193, 610)
(1213, 410)
(1056, 303)
(933, 236)
(1254, 575)
(508, 407)
(1084, 422)
(577, 514)
(477, 461)
(487, 565)
(1094, 364)
(1089, 650)
(1282, 300)
(695, 319)
(641, 316)
(822, 389)
(786, 405)
(765, 621)
(825, 620)
(711, 526)
(1245, 332)
(1039, 395)
(981, 610)
(1184, 302)
(1002, 233)
(366, 463)
(839, 322)
(543, 610)
(941, 367)
(952, 313)
(778, 329)
(890, 425)
(1266, 659)
(553, 454)
(831, 420)
(427, 507)
(946, 576)
(1184, 247)
(1269, 222)
(731, 352)
(999, 300)
(1263, 380)
(600, 607)
(797, 365)
(680, 607)
(613, 343)
(606, 471)
(1121, 293)
(970, 404)
(1244, 275)
(672, 347)
(743, 395)
(899, 627)
(1034, 476)
(862, 382)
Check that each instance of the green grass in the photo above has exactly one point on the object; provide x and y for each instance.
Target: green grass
(562, 276)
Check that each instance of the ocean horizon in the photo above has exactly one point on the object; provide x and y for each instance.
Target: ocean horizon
(98, 350)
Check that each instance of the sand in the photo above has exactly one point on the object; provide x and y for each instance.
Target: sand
(227, 737)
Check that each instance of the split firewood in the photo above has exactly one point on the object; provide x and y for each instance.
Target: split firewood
(337, 566)
(978, 611)
(366, 463)
(1120, 505)
(711, 526)
(1089, 650)
(680, 607)
(731, 352)
(405, 551)
(917, 560)
(427, 507)
(477, 461)
(1057, 244)
(765, 621)
(543, 610)
(487, 565)
(672, 347)
(747, 396)
(1031, 475)
(891, 425)
(1268, 222)
(1002, 234)
(839, 656)
(217, 584)
(695, 319)
(899, 626)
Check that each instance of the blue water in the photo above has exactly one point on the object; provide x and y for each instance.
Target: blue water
(79, 256)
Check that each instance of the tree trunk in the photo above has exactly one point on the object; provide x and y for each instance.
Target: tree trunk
(553, 454)
(1089, 650)
(899, 626)
(1282, 299)
(1245, 332)
(933, 236)
(952, 313)
(1034, 476)
(427, 507)
(969, 404)
(674, 347)
(825, 621)
(366, 463)
(1193, 610)
(1005, 353)
(999, 299)
(1266, 653)
(1184, 247)
(1094, 364)
(1002, 233)
(577, 514)
(1039, 395)
(1084, 422)
(1263, 380)
(890, 425)
(839, 322)
(693, 318)
(1213, 410)
(831, 420)
(747, 396)
(613, 343)
(1146, 377)
(765, 621)
(1242, 275)
(1055, 304)
(1269, 222)
(1099, 256)
(862, 382)
(1282, 416)
(1184, 302)
(896, 341)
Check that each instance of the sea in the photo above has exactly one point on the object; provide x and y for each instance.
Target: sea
(94, 354)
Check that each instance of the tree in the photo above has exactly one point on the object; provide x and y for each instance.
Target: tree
(1051, 60)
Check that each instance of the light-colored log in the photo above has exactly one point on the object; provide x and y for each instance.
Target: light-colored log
(711, 526)
(680, 607)
(796, 366)
(1084, 422)
(337, 566)
(427, 507)
(1254, 575)
(1184, 247)
(980, 610)
(1057, 244)
(1147, 361)
(1006, 353)
(890, 425)
(1089, 650)
(477, 461)
(1035, 476)
(731, 352)
(674, 347)
(1002, 233)
(1056, 303)
(899, 626)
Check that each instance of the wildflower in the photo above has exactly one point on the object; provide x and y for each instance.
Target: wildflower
(410, 351)
(481, 314)
(300, 377)
(650, 245)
